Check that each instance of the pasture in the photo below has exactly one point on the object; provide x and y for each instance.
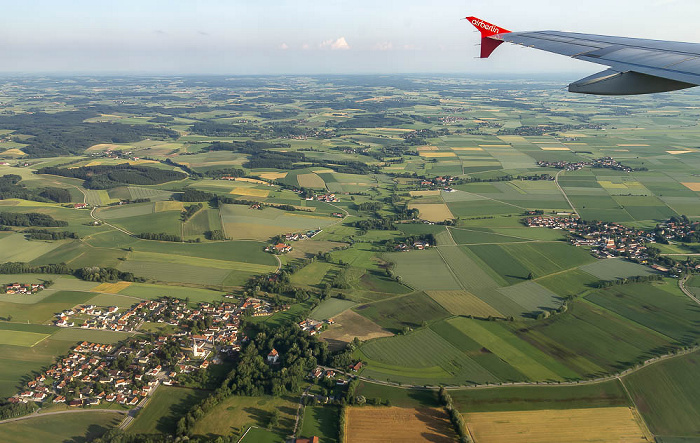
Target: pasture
(44, 310)
(322, 422)
(85, 426)
(330, 308)
(557, 426)
(237, 413)
(408, 425)
(614, 268)
(435, 212)
(423, 270)
(20, 338)
(16, 248)
(410, 310)
(164, 409)
(241, 222)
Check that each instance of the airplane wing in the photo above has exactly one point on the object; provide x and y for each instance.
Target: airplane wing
(637, 66)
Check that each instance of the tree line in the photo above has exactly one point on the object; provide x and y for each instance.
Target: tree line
(111, 176)
(30, 219)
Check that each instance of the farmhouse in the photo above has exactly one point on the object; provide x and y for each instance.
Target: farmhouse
(273, 357)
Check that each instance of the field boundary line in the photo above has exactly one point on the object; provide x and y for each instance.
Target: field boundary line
(556, 181)
(681, 285)
(36, 413)
(636, 414)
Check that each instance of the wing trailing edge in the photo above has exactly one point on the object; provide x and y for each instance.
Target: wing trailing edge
(636, 66)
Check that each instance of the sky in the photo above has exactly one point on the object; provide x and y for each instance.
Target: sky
(270, 37)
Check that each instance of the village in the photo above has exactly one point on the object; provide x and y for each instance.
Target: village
(23, 288)
(608, 240)
(605, 162)
(126, 373)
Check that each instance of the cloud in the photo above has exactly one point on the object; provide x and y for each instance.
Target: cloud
(335, 45)
(305, 46)
(206, 34)
(383, 46)
(284, 46)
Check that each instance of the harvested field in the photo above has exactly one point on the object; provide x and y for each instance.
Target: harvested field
(272, 175)
(463, 303)
(250, 192)
(435, 212)
(424, 193)
(349, 325)
(433, 154)
(382, 424)
(112, 288)
(556, 426)
(692, 186)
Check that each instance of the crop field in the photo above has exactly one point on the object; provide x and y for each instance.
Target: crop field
(121, 301)
(330, 308)
(239, 251)
(149, 292)
(165, 206)
(240, 222)
(237, 413)
(418, 357)
(175, 272)
(311, 180)
(556, 426)
(111, 288)
(365, 424)
(94, 335)
(250, 192)
(614, 268)
(164, 409)
(463, 303)
(603, 340)
(531, 398)
(436, 212)
(18, 338)
(666, 394)
(166, 221)
(201, 262)
(471, 236)
(132, 210)
(349, 325)
(659, 307)
(44, 310)
(573, 282)
(203, 221)
(85, 426)
(154, 194)
(533, 297)
(423, 270)
(312, 274)
(410, 310)
(16, 248)
(526, 359)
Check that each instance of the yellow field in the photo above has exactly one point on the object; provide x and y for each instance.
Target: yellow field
(426, 148)
(632, 145)
(436, 154)
(679, 152)
(435, 212)
(512, 138)
(692, 186)
(112, 288)
(14, 152)
(169, 206)
(272, 175)
(467, 149)
(563, 148)
(382, 424)
(108, 146)
(252, 180)
(252, 192)
(424, 193)
(310, 181)
(463, 303)
(495, 146)
(557, 426)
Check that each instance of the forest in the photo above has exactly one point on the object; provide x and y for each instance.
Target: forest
(111, 176)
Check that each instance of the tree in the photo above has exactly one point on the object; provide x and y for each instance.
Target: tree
(530, 276)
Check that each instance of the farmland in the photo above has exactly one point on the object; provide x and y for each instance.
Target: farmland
(570, 425)
(423, 254)
(408, 425)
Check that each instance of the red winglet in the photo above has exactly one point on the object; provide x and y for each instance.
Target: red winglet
(488, 45)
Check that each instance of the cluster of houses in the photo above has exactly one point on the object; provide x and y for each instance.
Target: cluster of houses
(417, 245)
(302, 235)
(606, 240)
(93, 373)
(89, 375)
(605, 162)
(279, 248)
(314, 327)
(443, 182)
(107, 318)
(327, 198)
(23, 288)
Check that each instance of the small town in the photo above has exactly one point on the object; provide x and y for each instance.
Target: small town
(23, 288)
(605, 162)
(126, 373)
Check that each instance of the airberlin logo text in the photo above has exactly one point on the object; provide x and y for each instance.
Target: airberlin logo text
(486, 26)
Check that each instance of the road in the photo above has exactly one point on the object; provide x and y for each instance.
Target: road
(681, 284)
(556, 181)
(69, 411)
(300, 409)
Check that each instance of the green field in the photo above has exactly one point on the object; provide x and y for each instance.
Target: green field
(612, 269)
(150, 292)
(164, 409)
(410, 310)
(526, 398)
(81, 427)
(322, 422)
(44, 310)
(667, 396)
(18, 338)
(330, 308)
